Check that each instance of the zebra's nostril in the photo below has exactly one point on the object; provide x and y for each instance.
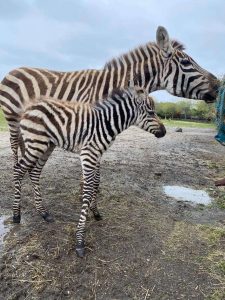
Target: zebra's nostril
(210, 98)
(163, 128)
(215, 84)
(161, 132)
(216, 87)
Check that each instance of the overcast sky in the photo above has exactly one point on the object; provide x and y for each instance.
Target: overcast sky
(71, 35)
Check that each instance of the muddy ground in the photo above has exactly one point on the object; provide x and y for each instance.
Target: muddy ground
(148, 246)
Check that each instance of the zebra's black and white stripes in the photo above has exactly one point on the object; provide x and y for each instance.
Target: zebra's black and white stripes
(89, 129)
(161, 65)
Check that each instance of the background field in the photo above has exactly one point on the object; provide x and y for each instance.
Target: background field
(171, 123)
(182, 123)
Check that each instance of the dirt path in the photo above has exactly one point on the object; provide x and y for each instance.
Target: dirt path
(148, 246)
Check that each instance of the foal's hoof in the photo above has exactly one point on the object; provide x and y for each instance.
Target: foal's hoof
(98, 217)
(47, 217)
(16, 219)
(80, 250)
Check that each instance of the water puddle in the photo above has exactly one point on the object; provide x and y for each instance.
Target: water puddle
(3, 229)
(187, 194)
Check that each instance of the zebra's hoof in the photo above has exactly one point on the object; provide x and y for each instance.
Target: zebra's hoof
(80, 250)
(16, 219)
(98, 217)
(47, 217)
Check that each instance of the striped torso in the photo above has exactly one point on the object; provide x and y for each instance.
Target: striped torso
(72, 126)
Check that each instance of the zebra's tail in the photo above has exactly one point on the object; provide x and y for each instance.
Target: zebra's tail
(13, 121)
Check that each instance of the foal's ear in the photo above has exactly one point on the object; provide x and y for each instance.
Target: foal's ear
(163, 40)
(142, 95)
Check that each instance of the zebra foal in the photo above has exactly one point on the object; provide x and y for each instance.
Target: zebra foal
(89, 129)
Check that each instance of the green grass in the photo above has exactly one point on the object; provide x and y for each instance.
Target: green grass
(3, 123)
(203, 246)
(178, 123)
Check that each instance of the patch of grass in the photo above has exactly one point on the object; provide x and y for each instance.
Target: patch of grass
(178, 123)
(219, 198)
(220, 201)
(3, 123)
(221, 266)
(183, 236)
(202, 246)
(212, 234)
(218, 295)
(212, 165)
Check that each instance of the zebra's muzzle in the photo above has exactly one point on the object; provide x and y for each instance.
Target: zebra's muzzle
(161, 132)
(210, 97)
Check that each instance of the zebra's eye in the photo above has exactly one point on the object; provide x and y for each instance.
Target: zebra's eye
(140, 91)
(185, 62)
(151, 112)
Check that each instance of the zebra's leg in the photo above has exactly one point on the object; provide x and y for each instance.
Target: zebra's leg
(26, 163)
(22, 146)
(19, 172)
(35, 174)
(93, 205)
(14, 140)
(81, 184)
(89, 162)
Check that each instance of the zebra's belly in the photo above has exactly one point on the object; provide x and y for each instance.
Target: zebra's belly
(72, 148)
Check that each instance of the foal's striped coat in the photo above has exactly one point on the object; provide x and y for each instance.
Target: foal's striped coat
(91, 129)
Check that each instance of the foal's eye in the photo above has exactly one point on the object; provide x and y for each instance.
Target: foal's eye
(185, 62)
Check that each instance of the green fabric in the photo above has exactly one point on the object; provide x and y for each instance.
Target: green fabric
(220, 114)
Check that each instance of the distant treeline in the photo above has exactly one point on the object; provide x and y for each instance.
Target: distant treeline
(186, 109)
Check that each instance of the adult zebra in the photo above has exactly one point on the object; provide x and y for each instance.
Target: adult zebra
(160, 65)
(88, 129)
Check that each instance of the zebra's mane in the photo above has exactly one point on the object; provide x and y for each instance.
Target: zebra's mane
(175, 44)
(115, 95)
(116, 92)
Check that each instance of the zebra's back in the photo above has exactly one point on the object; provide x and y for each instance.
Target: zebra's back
(21, 85)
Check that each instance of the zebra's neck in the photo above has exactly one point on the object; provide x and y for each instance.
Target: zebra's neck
(118, 113)
(143, 64)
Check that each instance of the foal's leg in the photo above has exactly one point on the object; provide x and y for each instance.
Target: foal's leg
(35, 174)
(93, 205)
(89, 162)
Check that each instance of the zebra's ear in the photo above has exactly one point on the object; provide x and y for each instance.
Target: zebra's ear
(130, 83)
(142, 95)
(163, 40)
(134, 81)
